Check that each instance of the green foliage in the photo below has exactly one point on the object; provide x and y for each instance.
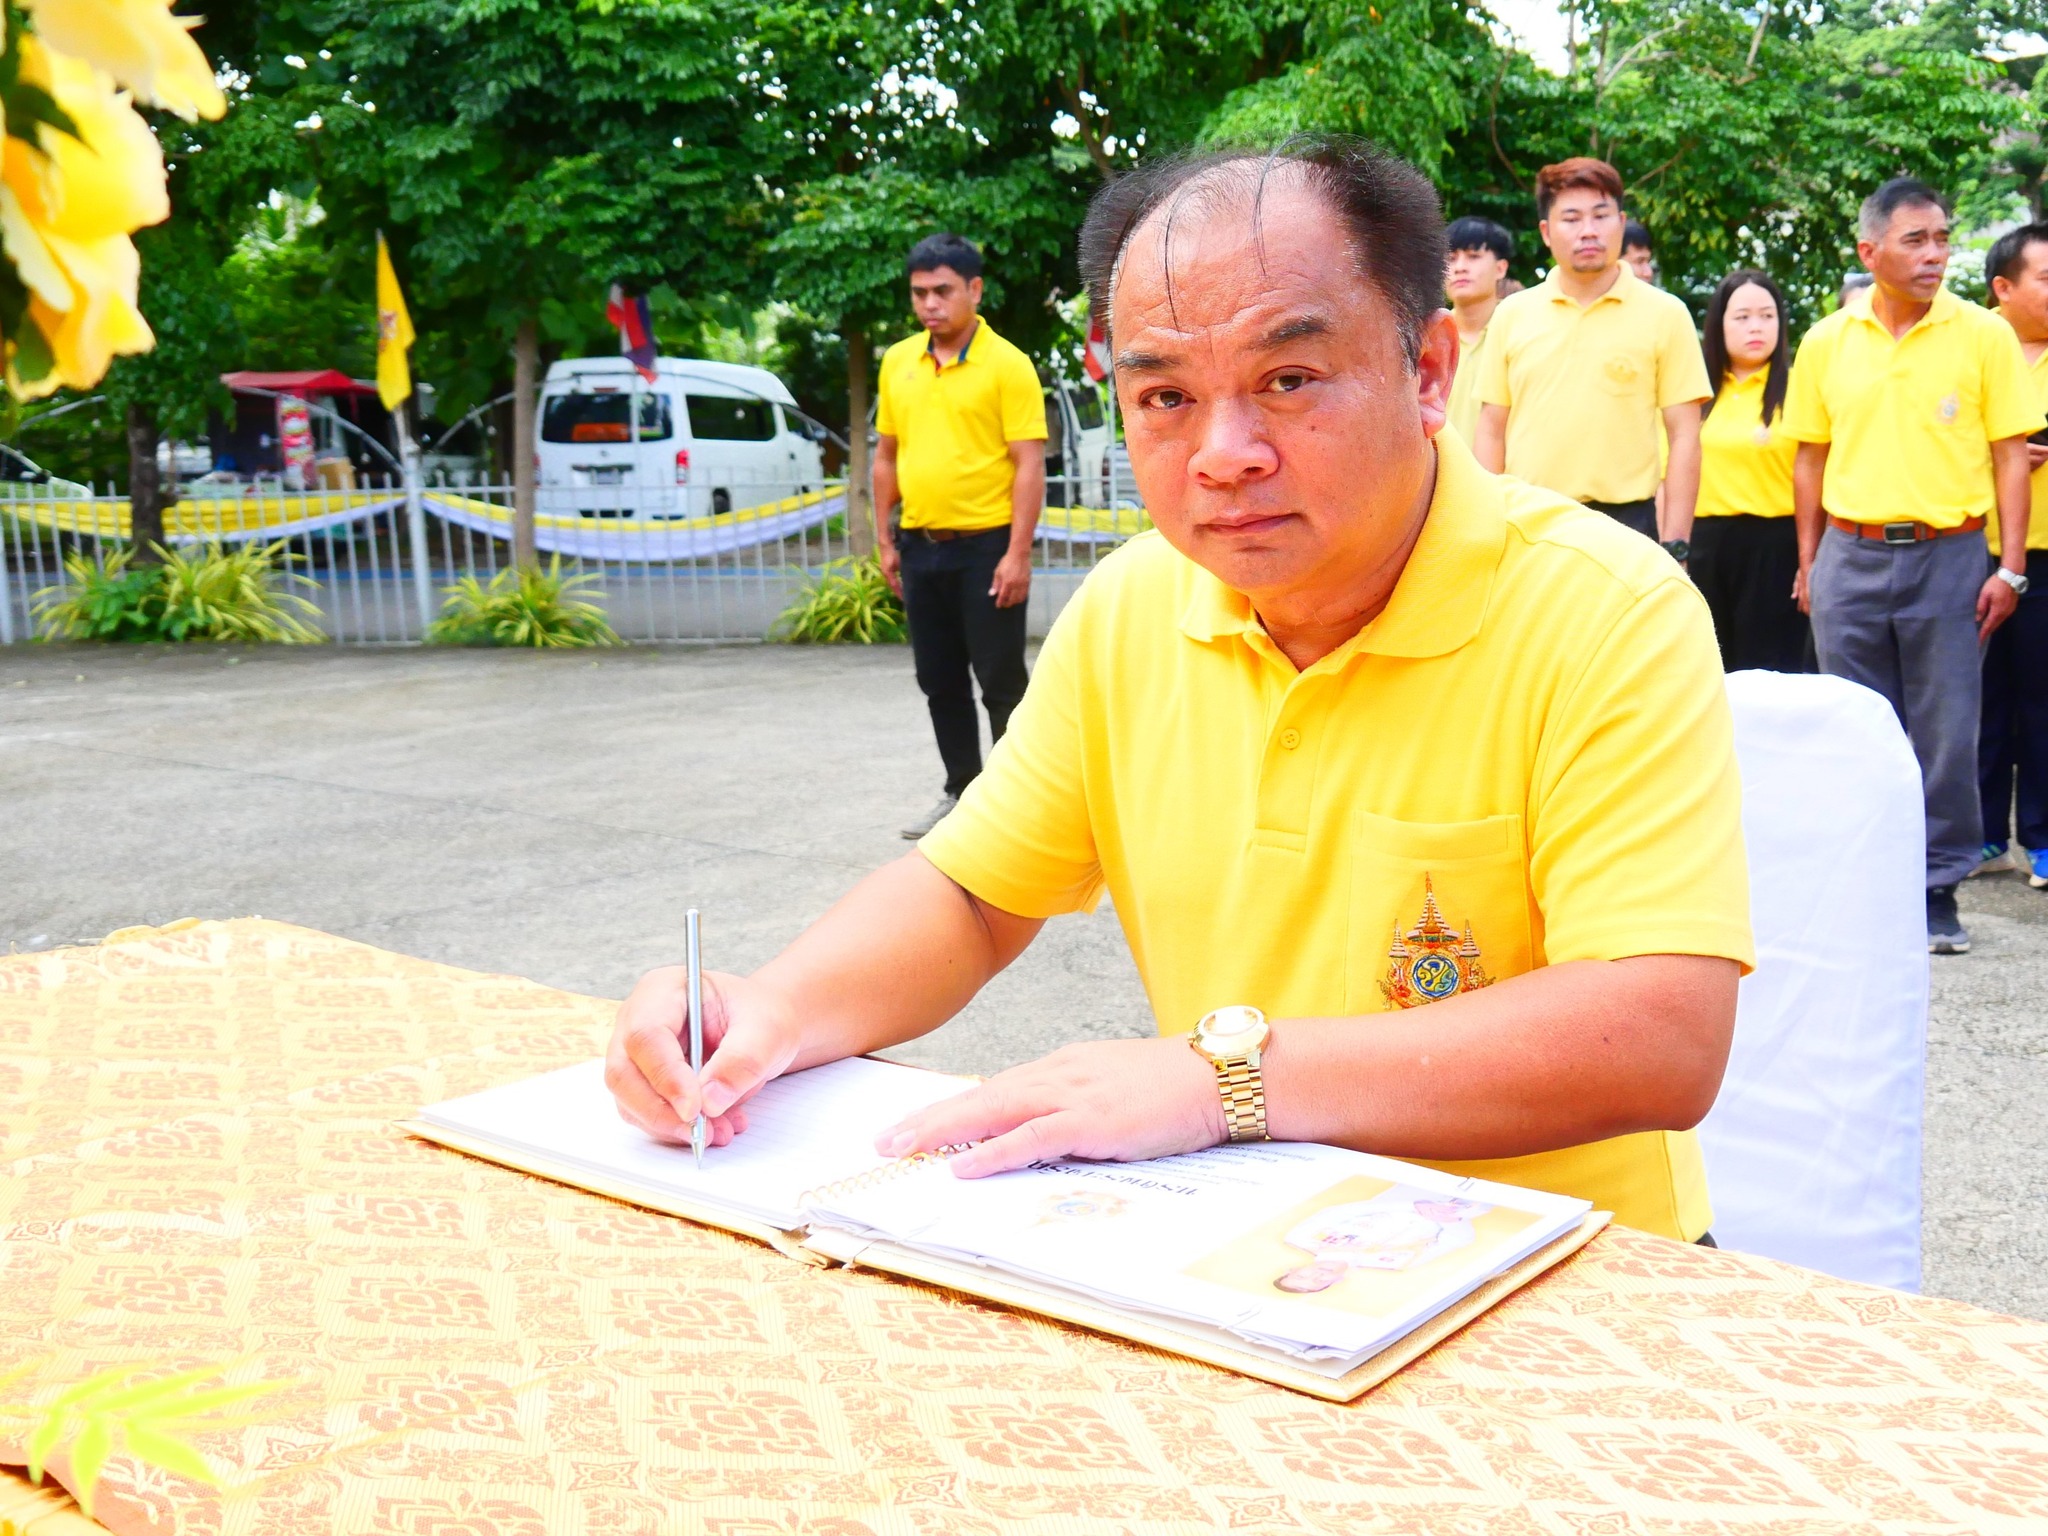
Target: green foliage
(523, 607)
(846, 603)
(103, 600)
(129, 1410)
(212, 594)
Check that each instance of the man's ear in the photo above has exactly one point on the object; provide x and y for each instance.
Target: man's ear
(1436, 364)
(974, 291)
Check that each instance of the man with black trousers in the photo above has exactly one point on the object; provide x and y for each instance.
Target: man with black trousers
(2012, 741)
(959, 479)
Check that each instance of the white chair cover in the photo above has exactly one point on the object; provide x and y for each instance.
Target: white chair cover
(1813, 1148)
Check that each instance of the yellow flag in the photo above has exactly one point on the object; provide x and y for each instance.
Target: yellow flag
(394, 334)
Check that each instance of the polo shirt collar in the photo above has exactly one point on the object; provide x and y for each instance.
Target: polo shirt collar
(1624, 280)
(980, 325)
(1946, 307)
(1441, 597)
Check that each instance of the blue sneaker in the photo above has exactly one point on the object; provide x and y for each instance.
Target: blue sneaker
(1992, 859)
(2037, 868)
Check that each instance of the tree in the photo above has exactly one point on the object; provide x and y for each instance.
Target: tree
(519, 154)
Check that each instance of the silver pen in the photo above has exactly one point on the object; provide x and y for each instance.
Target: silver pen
(695, 963)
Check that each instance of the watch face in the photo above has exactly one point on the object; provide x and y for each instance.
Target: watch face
(1232, 1032)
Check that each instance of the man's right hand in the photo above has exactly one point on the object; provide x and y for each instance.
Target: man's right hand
(750, 1036)
(2037, 455)
(1802, 589)
(891, 560)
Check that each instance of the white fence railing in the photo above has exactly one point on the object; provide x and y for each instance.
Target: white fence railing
(721, 565)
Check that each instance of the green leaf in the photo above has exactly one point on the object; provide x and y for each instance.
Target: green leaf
(89, 1453)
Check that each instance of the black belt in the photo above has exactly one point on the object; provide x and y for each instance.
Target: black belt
(1623, 508)
(949, 535)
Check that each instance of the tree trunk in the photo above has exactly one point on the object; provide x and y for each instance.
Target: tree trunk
(525, 387)
(860, 500)
(145, 486)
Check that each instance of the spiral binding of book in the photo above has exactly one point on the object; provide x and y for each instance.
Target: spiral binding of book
(881, 1175)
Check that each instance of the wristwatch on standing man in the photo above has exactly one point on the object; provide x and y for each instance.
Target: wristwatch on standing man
(1231, 1040)
(2017, 580)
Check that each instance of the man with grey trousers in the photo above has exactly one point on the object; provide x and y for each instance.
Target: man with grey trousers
(1912, 410)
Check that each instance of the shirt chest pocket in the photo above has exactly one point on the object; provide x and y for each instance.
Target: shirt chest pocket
(1630, 372)
(1437, 908)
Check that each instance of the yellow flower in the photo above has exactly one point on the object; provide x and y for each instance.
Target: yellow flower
(140, 44)
(67, 207)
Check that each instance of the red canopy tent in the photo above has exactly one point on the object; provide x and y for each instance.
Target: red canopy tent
(248, 444)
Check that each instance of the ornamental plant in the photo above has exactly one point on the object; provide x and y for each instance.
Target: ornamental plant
(848, 602)
(524, 606)
(80, 172)
(209, 594)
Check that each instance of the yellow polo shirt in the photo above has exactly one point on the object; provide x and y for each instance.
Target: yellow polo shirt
(1464, 402)
(954, 425)
(1912, 420)
(1525, 759)
(1745, 466)
(1584, 386)
(2037, 516)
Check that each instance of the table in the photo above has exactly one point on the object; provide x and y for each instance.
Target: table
(204, 1170)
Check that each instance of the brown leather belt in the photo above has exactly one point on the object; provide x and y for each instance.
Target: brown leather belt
(948, 535)
(1900, 533)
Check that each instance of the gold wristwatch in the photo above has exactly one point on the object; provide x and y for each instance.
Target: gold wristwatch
(1231, 1039)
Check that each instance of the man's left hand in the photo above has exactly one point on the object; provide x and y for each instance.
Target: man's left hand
(1107, 1100)
(1013, 579)
(1995, 603)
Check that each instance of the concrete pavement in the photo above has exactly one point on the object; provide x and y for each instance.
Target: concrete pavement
(552, 815)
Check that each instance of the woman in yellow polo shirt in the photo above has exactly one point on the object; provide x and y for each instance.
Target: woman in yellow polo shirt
(1745, 550)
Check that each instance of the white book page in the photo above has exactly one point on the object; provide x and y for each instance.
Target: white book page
(803, 1130)
(1313, 1250)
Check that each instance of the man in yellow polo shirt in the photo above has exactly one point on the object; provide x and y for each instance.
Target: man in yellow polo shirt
(1478, 263)
(1580, 370)
(2012, 738)
(960, 429)
(1911, 410)
(1414, 787)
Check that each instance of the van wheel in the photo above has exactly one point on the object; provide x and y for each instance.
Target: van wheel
(721, 503)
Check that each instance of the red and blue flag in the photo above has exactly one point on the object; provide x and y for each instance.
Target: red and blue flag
(629, 312)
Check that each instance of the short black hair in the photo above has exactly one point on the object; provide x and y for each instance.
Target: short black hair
(1472, 233)
(1388, 207)
(1875, 216)
(1635, 236)
(943, 250)
(2009, 250)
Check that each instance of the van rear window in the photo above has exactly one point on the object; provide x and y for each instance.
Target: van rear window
(720, 416)
(604, 417)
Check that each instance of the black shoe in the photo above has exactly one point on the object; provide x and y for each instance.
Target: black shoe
(1946, 934)
(931, 818)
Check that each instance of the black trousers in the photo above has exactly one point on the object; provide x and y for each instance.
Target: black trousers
(957, 629)
(1744, 567)
(1639, 515)
(2012, 738)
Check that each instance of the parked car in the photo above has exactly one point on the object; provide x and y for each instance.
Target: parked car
(1084, 465)
(21, 475)
(705, 439)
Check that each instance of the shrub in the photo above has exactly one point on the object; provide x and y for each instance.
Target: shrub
(214, 594)
(848, 602)
(231, 594)
(527, 606)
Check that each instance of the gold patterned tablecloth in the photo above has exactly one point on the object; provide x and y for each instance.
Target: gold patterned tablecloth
(204, 1170)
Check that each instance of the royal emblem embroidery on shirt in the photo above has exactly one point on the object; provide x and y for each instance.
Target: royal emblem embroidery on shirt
(1949, 407)
(1432, 960)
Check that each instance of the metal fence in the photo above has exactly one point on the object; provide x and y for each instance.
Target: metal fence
(719, 561)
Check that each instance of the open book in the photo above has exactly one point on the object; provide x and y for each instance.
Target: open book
(1315, 1267)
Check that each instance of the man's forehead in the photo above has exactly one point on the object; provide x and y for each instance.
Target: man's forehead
(1209, 265)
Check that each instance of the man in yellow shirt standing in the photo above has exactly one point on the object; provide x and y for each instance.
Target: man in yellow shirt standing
(1473, 273)
(1580, 370)
(2012, 740)
(1911, 410)
(960, 427)
(1414, 787)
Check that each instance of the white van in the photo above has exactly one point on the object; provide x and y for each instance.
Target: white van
(705, 439)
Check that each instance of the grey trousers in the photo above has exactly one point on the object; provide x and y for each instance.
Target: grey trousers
(1902, 619)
